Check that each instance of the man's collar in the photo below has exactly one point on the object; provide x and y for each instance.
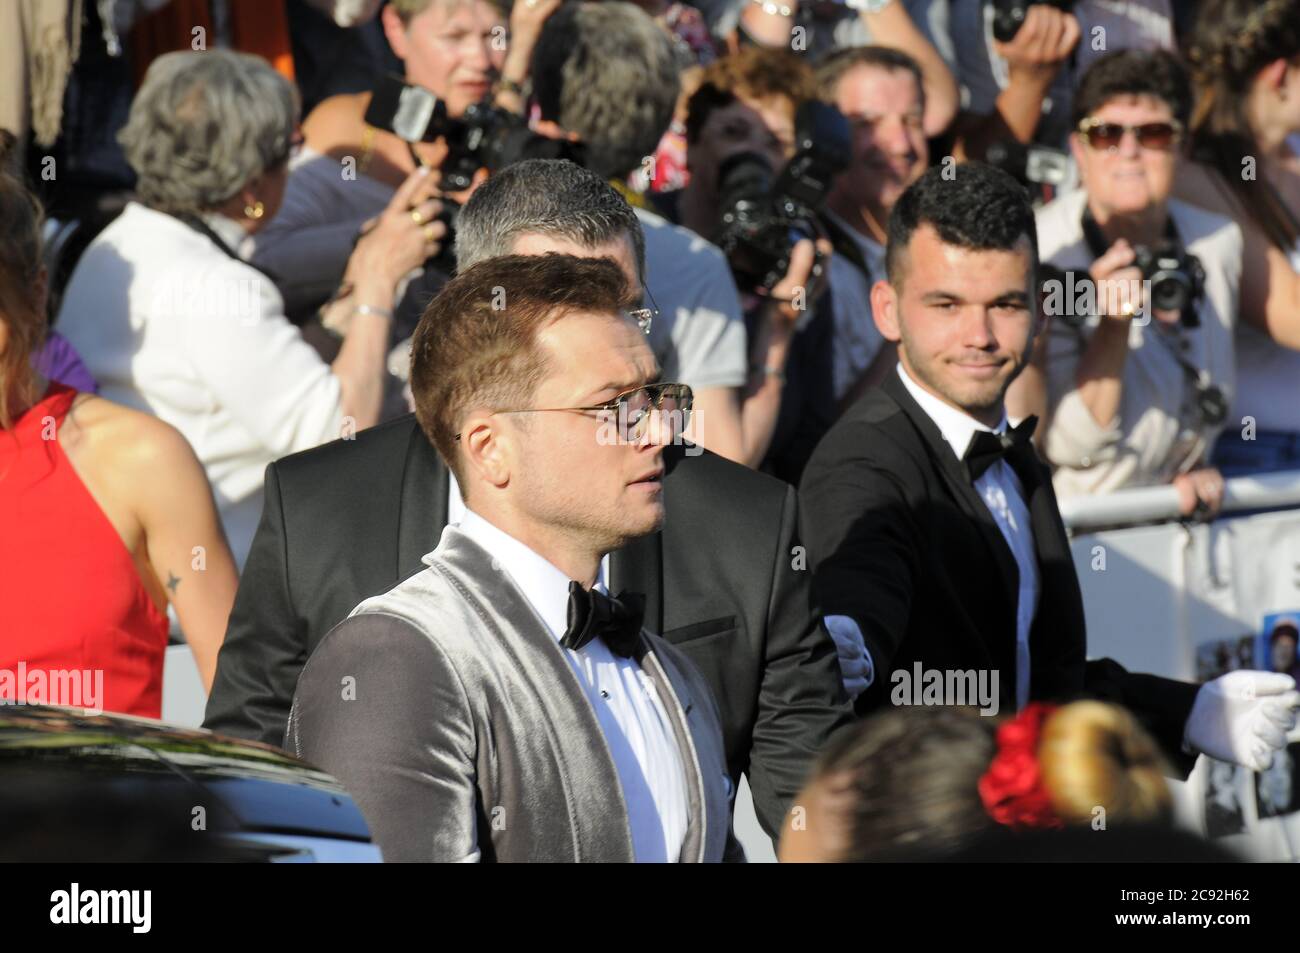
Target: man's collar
(957, 427)
(545, 585)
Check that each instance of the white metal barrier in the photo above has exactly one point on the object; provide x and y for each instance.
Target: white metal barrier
(1192, 601)
(1160, 503)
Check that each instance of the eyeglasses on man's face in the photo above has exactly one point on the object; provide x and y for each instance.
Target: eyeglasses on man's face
(632, 411)
(1100, 134)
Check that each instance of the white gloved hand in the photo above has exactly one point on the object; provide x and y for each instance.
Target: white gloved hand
(1243, 717)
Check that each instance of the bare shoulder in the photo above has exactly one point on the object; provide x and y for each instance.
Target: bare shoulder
(128, 447)
(336, 123)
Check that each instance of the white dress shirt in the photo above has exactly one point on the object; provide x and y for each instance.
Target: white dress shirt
(1004, 495)
(631, 715)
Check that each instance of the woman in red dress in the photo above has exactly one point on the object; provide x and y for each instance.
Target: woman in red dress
(105, 517)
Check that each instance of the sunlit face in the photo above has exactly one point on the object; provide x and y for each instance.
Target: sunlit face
(455, 48)
(565, 472)
(746, 125)
(963, 319)
(1129, 178)
(885, 109)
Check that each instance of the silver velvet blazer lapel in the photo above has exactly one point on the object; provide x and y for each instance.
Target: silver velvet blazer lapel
(516, 635)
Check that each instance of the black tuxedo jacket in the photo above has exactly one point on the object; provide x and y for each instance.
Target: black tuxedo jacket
(353, 518)
(900, 541)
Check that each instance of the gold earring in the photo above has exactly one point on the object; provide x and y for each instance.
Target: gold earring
(255, 211)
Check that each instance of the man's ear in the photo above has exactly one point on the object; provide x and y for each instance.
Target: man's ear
(395, 32)
(884, 310)
(1274, 74)
(1038, 301)
(487, 448)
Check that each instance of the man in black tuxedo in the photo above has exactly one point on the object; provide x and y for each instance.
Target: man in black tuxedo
(723, 579)
(932, 528)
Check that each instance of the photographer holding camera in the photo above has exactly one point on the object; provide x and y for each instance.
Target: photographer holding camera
(821, 27)
(880, 91)
(1018, 62)
(605, 76)
(349, 167)
(751, 122)
(1138, 360)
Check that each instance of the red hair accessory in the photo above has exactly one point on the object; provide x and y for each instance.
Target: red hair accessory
(1012, 787)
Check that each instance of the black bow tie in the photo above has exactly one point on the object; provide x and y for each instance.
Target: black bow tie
(987, 448)
(616, 620)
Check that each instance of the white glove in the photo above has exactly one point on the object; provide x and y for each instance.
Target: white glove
(1243, 717)
(855, 662)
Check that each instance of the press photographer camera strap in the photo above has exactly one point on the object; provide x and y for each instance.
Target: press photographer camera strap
(845, 245)
(1211, 402)
(204, 229)
(1097, 243)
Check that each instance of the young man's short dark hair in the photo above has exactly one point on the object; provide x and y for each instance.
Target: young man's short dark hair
(1156, 73)
(971, 205)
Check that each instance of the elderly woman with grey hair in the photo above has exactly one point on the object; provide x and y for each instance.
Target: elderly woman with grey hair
(170, 319)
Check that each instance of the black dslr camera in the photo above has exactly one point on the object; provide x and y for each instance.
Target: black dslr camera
(1177, 278)
(1009, 15)
(1032, 164)
(764, 214)
(484, 137)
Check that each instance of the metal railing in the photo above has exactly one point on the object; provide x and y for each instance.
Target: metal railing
(1159, 504)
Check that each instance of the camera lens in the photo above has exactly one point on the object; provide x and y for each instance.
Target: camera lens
(1170, 291)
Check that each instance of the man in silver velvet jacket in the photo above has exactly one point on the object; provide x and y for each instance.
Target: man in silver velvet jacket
(498, 704)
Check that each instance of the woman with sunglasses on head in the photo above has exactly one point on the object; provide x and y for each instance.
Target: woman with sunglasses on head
(1245, 137)
(1134, 369)
(170, 318)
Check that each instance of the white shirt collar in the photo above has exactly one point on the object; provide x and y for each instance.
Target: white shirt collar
(545, 586)
(958, 428)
